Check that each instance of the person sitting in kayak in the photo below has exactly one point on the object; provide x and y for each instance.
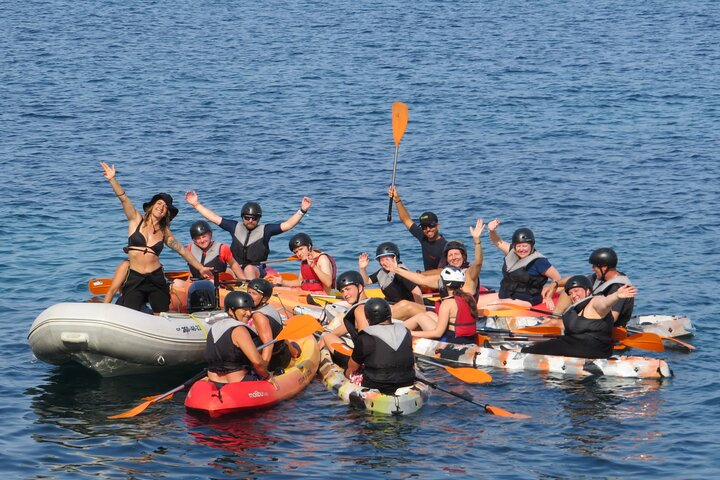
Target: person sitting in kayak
(352, 289)
(317, 269)
(455, 317)
(209, 253)
(383, 350)
(268, 323)
(455, 255)
(525, 270)
(231, 351)
(403, 293)
(606, 280)
(427, 232)
(588, 322)
(250, 240)
(147, 232)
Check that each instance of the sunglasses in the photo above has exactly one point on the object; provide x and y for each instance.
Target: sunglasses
(428, 226)
(251, 217)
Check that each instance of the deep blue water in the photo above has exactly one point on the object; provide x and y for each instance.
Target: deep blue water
(593, 124)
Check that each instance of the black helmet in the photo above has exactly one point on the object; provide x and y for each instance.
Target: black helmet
(350, 278)
(604, 257)
(201, 296)
(299, 240)
(262, 286)
(238, 300)
(251, 208)
(523, 235)
(578, 281)
(455, 245)
(377, 310)
(387, 248)
(198, 228)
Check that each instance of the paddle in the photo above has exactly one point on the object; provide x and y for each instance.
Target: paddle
(289, 259)
(488, 408)
(399, 124)
(539, 330)
(296, 327)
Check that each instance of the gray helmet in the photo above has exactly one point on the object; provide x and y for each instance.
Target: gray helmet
(350, 278)
(377, 310)
(578, 281)
(251, 208)
(299, 240)
(523, 235)
(604, 257)
(387, 248)
(199, 228)
(236, 299)
(262, 286)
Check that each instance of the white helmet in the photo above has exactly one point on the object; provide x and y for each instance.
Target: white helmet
(452, 277)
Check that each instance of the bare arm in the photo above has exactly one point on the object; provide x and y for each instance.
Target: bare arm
(241, 339)
(235, 267)
(353, 367)
(295, 218)
(130, 212)
(430, 281)
(322, 267)
(446, 310)
(262, 325)
(402, 211)
(499, 242)
(192, 198)
(602, 305)
(417, 296)
(363, 262)
(473, 273)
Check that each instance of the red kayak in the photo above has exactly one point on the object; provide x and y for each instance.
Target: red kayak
(205, 396)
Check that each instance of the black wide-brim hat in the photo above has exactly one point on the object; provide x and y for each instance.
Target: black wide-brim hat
(165, 197)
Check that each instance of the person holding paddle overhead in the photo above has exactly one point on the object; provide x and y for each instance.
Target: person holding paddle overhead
(606, 280)
(588, 322)
(250, 240)
(352, 289)
(383, 350)
(427, 232)
(455, 317)
(147, 232)
(525, 270)
(317, 269)
(268, 323)
(231, 350)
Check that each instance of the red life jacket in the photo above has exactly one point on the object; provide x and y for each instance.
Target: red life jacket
(465, 324)
(310, 281)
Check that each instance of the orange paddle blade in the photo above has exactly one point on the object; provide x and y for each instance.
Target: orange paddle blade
(288, 275)
(134, 411)
(177, 275)
(540, 330)
(342, 348)
(157, 397)
(686, 347)
(299, 326)
(99, 286)
(504, 413)
(469, 375)
(399, 121)
(645, 341)
(619, 333)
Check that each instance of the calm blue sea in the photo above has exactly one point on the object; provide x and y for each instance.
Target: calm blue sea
(593, 123)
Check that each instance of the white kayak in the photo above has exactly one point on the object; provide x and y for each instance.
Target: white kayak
(113, 340)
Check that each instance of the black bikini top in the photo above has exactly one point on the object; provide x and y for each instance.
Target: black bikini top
(137, 241)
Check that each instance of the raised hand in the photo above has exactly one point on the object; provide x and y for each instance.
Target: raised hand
(627, 291)
(493, 224)
(363, 261)
(477, 231)
(306, 204)
(192, 198)
(108, 170)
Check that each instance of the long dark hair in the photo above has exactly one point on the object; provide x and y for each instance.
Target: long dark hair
(469, 299)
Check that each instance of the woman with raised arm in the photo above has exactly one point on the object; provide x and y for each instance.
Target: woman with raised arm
(147, 231)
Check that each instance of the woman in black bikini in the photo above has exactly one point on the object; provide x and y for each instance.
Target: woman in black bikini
(146, 234)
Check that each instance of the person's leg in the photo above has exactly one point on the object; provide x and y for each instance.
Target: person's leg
(404, 309)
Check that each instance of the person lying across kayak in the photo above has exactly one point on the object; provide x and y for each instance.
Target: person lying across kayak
(525, 270)
(317, 269)
(588, 322)
(606, 280)
(268, 323)
(427, 232)
(455, 255)
(230, 351)
(352, 289)
(403, 293)
(455, 317)
(147, 232)
(250, 240)
(383, 350)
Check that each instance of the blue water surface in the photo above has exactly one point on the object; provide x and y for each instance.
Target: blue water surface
(595, 124)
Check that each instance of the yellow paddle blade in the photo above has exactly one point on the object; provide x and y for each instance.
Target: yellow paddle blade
(299, 326)
(504, 413)
(342, 348)
(645, 341)
(399, 121)
(469, 375)
(540, 330)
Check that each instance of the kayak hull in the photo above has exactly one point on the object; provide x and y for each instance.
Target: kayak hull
(406, 401)
(476, 356)
(205, 396)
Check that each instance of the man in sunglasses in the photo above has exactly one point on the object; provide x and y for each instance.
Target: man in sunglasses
(250, 240)
(427, 232)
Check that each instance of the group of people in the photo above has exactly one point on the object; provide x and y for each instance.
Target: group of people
(589, 306)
